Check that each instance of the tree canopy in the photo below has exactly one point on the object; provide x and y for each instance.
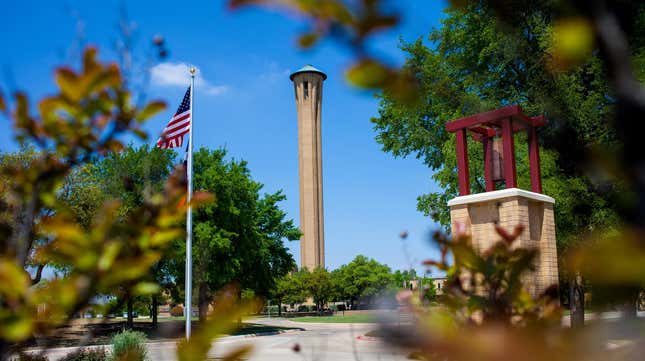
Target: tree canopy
(129, 175)
(292, 288)
(362, 278)
(240, 236)
(320, 287)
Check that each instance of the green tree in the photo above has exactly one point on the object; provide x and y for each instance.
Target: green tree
(23, 158)
(320, 287)
(475, 65)
(291, 289)
(362, 278)
(131, 176)
(401, 279)
(280, 291)
(428, 288)
(239, 237)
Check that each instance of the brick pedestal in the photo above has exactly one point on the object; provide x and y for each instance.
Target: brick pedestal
(508, 208)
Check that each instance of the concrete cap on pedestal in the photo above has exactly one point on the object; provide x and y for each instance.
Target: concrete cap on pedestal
(503, 193)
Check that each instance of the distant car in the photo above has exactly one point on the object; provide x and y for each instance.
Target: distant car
(87, 315)
(110, 315)
(98, 315)
(135, 314)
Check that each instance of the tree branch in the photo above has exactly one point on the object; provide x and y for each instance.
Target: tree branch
(39, 274)
(630, 104)
(615, 51)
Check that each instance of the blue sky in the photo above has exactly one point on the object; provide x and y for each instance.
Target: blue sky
(244, 101)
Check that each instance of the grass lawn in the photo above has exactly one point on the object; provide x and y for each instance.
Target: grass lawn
(356, 318)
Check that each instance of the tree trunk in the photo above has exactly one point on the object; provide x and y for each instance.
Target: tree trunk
(279, 308)
(239, 300)
(5, 350)
(630, 308)
(130, 322)
(577, 301)
(155, 310)
(203, 301)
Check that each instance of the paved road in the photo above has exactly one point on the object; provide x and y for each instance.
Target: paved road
(317, 342)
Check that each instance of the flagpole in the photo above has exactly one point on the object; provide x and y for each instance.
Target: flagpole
(189, 213)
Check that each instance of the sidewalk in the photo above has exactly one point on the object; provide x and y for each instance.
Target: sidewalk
(59, 352)
(592, 316)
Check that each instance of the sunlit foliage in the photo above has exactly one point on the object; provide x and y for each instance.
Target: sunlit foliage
(91, 110)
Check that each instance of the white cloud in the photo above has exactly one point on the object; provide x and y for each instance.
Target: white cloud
(274, 72)
(178, 75)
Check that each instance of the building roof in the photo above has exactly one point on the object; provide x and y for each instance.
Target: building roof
(308, 69)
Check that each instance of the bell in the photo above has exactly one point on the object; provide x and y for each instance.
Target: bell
(498, 159)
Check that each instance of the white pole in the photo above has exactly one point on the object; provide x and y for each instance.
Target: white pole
(189, 213)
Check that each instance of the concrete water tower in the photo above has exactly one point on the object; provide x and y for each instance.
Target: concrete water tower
(308, 86)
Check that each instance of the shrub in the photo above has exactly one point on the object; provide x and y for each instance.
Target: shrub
(31, 357)
(84, 354)
(177, 311)
(306, 308)
(129, 345)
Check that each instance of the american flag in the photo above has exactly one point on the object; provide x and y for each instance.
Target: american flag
(179, 125)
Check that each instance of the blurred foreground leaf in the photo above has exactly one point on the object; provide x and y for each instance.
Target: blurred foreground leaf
(224, 318)
(83, 121)
(572, 42)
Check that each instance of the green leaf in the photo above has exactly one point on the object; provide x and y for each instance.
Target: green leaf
(368, 74)
(573, 41)
(69, 83)
(150, 110)
(17, 327)
(307, 40)
(146, 288)
(109, 254)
